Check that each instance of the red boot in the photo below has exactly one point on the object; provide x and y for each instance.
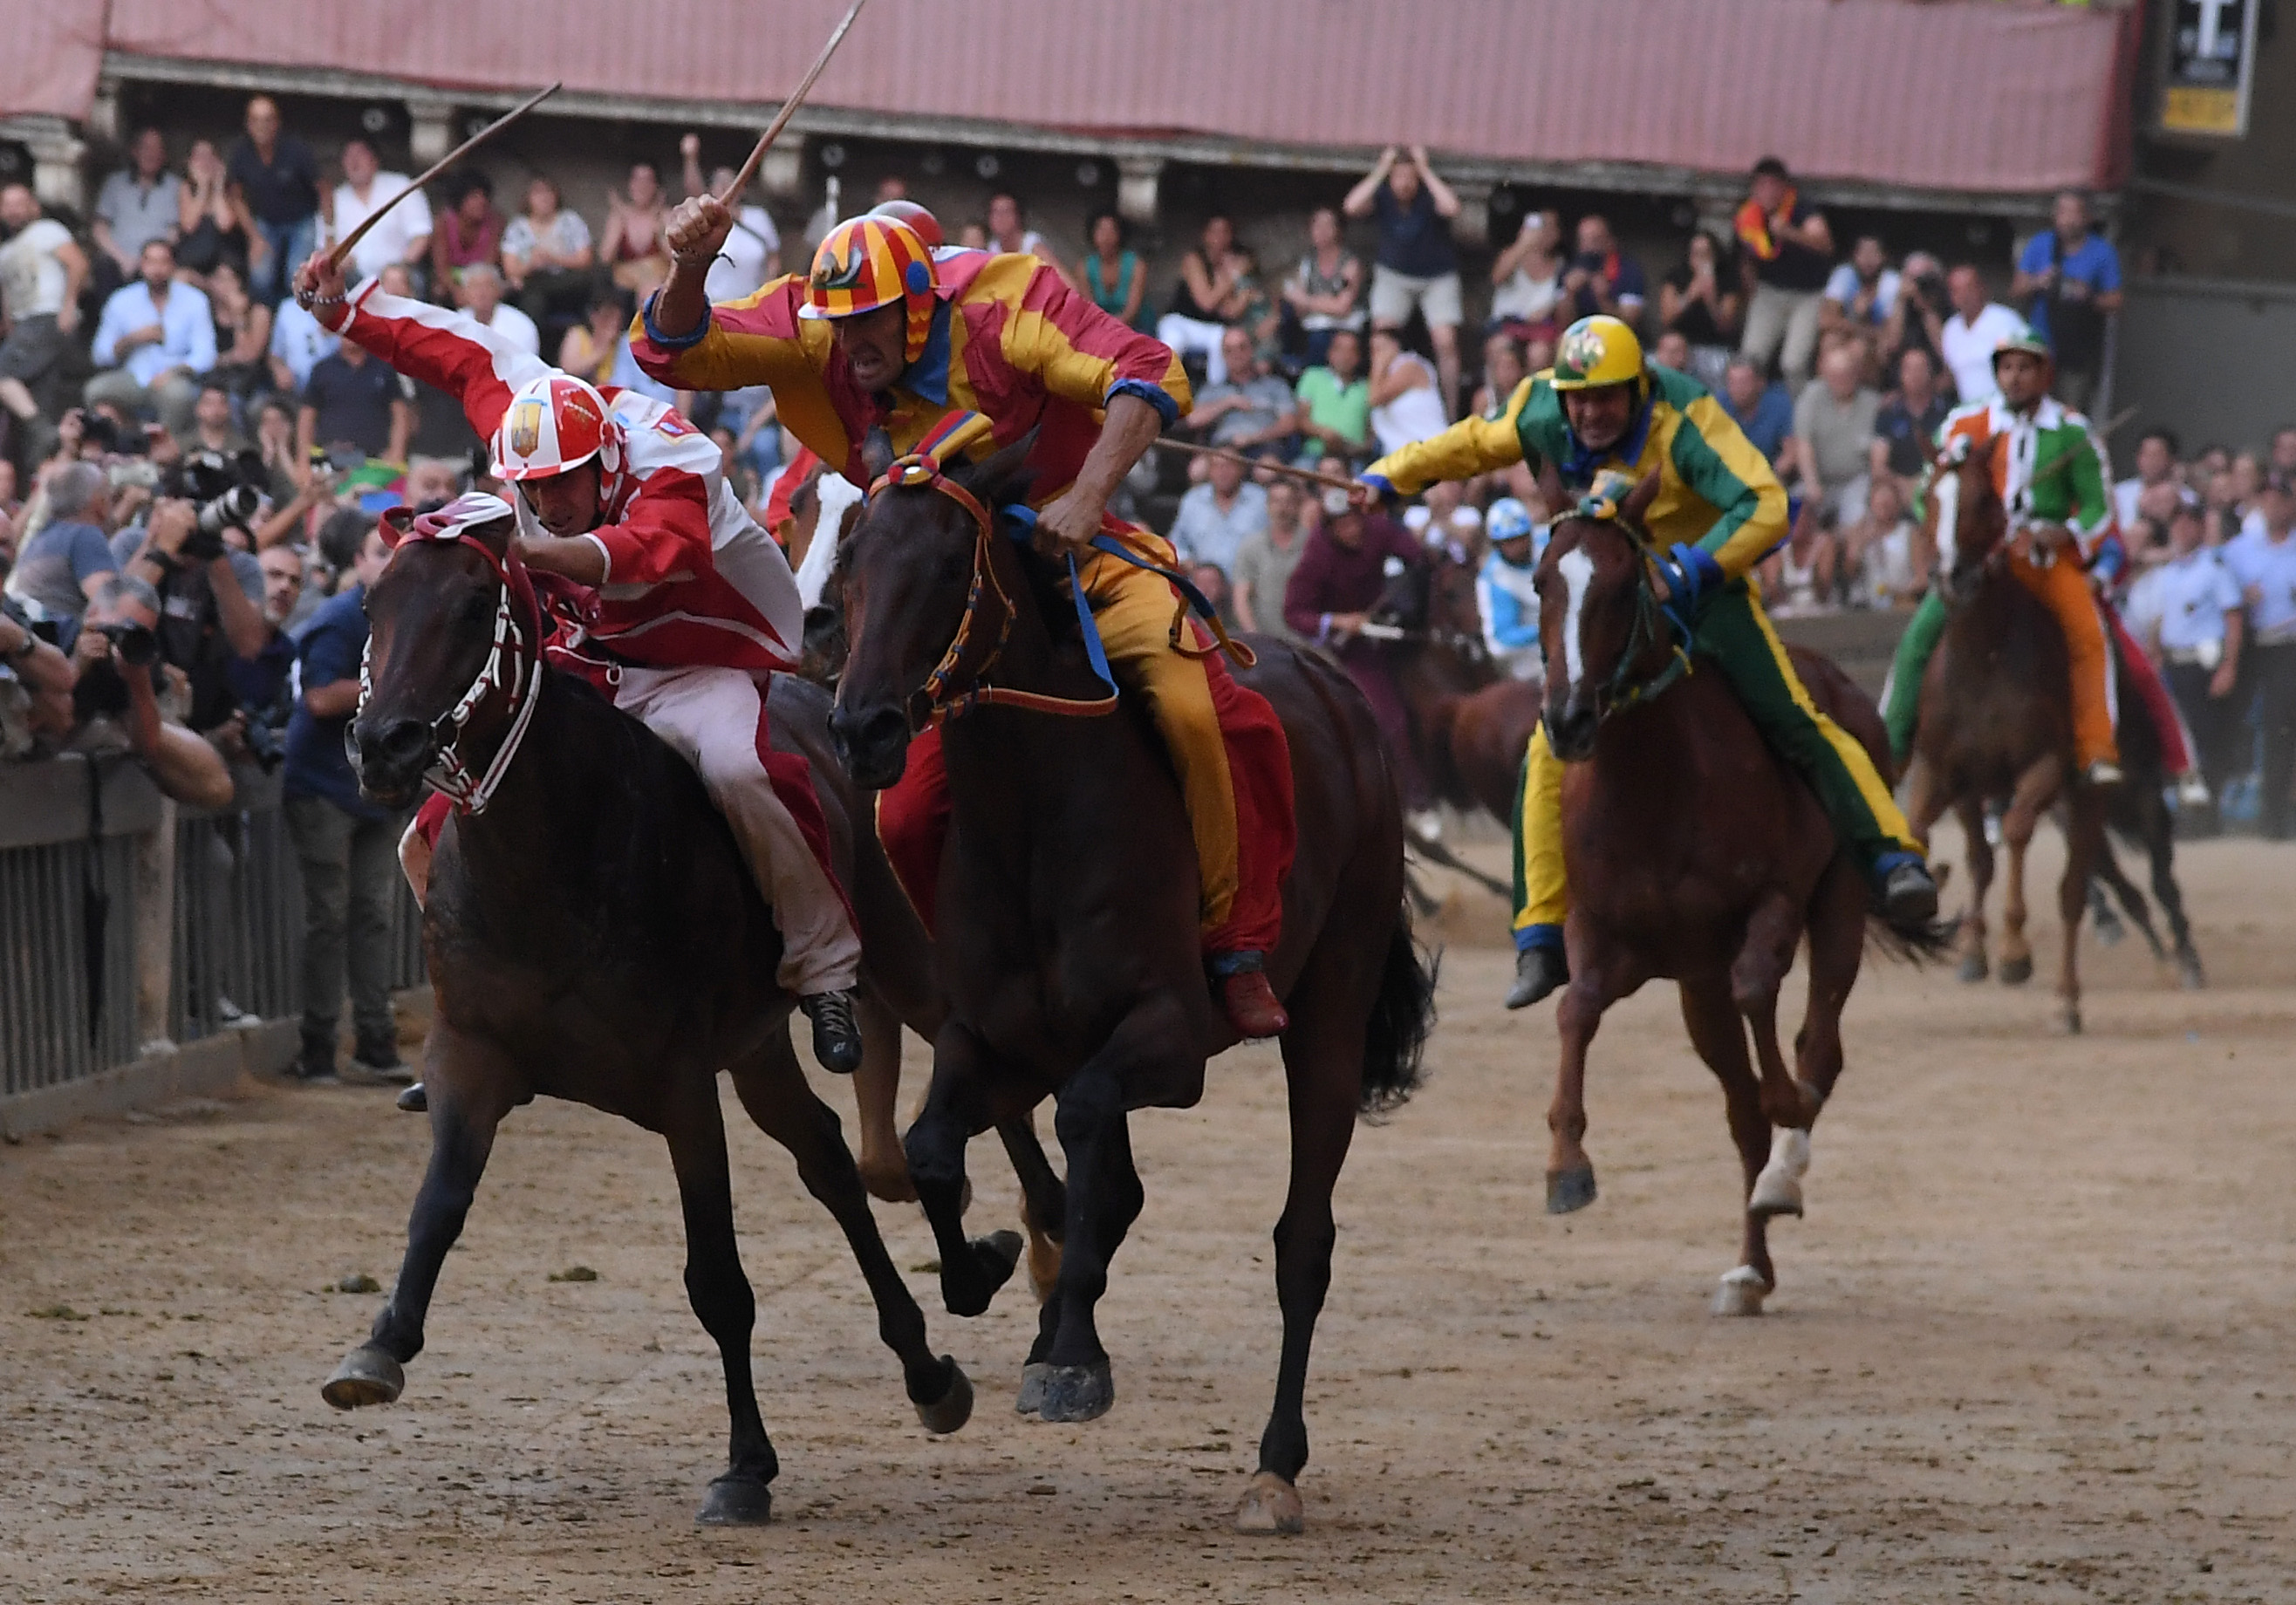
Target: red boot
(1252, 1006)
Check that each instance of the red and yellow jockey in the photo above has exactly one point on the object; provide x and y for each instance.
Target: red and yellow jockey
(886, 332)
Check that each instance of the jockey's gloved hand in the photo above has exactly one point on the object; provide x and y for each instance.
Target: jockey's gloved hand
(1692, 580)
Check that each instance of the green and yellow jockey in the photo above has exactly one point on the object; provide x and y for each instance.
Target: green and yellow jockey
(1719, 511)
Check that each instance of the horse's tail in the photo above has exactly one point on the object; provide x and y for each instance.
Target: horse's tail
(1921, 944)
(1402, 1017)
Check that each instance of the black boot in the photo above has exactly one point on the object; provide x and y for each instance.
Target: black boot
(836, 1035)
(1538, 971)
(1909, 896)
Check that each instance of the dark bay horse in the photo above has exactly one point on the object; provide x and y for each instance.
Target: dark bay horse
(593, 934)
(1067, 926)
(1695, 855)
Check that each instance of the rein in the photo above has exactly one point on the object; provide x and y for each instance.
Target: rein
(1624, 689)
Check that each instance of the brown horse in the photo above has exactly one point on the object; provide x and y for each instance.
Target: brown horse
(1997, 726)
(593, 934)
(1067, 920)
(1695, 856)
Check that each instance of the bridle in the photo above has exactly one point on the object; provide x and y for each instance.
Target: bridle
(513, 664)
(1626, 689)
(1945, 495)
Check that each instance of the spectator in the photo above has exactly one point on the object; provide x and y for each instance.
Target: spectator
(58, 569)
(210, 609)
(1339, 580)
(2283, 460)
(1405, 405)
(752, 253)
(1602, 278)
(1416, 266)
(432, 479)
(1905, 428)
(1210, 582)
(1505, 367)
(1113, 275)
(41, 273)
(403, 236)
(1009, 233)
(480, 289)
(1218, 516)
(275, 443)
(278, 178)
(2069, 279)
(243, 328)
(1334, 411)
(1201, 300)
(972, 236)
(154, 341)
(213, 224)
(1444, 516)
(1696, 303)
(1800, 576)
(1784, 246)
(356, 405)
(592, 350)
(1833, 435)
(1527, 279)
(2193, 625)
(2156, 464)
(1251, 411)
(260, 684)
(633, 248)
(1863, 291)
(118, 683)
(1878, 555)
(297, 341)
(212, 429)
(1504, 592)
(547, 260)
(2264, 565)
(43, 670)
(1670, 350)
(1917, 321)
(348, 846)
(1265, 560)
(1325, 291)
(1761, 409)
(1977, 326)
(142, 201)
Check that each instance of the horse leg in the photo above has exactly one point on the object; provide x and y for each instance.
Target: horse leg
(2110, 878)
(2160, 846)
(1771, 933)
(1104, 1199)
(1971, 812)
(876, 1090)
(2019, 821)
(1719, 1035)
(1044, 1203)
(2084, 840)
(1570, 1173)
(955, 1107)
(772, 1088)
(1837, 949)
(471, 1087)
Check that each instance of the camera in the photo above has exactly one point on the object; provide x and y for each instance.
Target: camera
(225, 493)
(136, 643)
(1930, 288)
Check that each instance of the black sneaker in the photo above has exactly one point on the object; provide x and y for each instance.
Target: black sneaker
(312, 1070)
(1538, 971)
(379, 1061)
(1909, 896)
(414, 1100)
(836, 1035)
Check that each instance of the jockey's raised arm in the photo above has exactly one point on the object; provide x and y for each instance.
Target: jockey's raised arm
(438, 346)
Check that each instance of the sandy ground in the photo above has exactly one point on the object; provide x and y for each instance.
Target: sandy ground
(2032, 1342)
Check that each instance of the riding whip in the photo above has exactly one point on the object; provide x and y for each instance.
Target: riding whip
(342, 249)
(2057, 464)
(797, 98)
(1305, 476)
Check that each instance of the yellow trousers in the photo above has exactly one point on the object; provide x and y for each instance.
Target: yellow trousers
(2064, 587)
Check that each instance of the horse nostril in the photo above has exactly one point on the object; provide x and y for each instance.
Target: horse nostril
(400, 742)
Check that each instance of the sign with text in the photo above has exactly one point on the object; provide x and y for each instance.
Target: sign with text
(2211, 56)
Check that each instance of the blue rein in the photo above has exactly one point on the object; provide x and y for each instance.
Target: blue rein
(1024, 527)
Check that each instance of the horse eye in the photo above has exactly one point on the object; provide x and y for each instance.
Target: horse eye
(477, 610)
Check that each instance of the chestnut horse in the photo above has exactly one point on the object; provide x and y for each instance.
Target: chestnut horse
(593, 934)
(1695, 856)
(1068, 906)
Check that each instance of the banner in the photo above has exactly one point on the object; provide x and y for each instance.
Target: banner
(2211, 56)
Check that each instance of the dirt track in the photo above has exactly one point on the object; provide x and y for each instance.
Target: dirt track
(2030, 1344)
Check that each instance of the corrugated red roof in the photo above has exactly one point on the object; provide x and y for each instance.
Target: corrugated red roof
(49, 57)
(1980, 94)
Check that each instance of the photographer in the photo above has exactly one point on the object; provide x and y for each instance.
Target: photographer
(115, 652)
(211, 596)
(1916, 320)
(42, 674)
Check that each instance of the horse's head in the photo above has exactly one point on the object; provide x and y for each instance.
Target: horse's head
(1607, 642)
(1964, 515)
(914, 571)
(450, 653)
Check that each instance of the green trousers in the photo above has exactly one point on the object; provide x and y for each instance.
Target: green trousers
(1901, 709)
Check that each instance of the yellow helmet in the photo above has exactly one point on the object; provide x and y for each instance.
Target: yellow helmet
(1597, 351)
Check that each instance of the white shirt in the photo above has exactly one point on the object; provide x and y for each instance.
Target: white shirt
(2130, 491)
(1841, 287)
(739, 269)
(1416, 414)
(298, 340)
(31, 275)
(1969, 349)
(515, 327)
(2189, 598)
(393, 236)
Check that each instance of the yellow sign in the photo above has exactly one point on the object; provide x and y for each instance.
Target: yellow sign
(2190, 111)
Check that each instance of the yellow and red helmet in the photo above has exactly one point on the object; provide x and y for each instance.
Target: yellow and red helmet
(871, 262)
(918, 218)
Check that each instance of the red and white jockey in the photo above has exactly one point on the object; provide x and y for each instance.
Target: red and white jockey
(697, 606)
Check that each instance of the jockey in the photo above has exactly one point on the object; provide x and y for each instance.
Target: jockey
(1505, 591)
(886, 332)
(697, 607)
(2064, 512)
(1720, 510)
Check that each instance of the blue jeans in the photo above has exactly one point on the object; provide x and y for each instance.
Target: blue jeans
(289, 242)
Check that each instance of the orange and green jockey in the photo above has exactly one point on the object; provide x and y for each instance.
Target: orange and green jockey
(2051, 473)
(1003, 336)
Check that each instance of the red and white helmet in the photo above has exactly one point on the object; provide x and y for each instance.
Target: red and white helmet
(556, 422)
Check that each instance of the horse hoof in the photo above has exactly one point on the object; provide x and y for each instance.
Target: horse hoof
(736, 1499)
(1030, 1400)
(1973, 969)
(1569, 1190)
(1270, 1508)
(2016, 972)
(1741, 1293)
(1777, 1189)
(367, 1376)
(2069, 1023)
(954, 1408)
(2109, 933)
(2190, 976)
(1077, 1393)
(994, 1258)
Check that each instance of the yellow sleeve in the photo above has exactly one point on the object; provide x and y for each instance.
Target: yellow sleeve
(1079, 352)
(758, 339)
(1470, 446)
(1712, 457)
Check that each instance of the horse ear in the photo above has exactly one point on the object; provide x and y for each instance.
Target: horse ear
(1004, 478)
(395, 522)
(1638, 500)
(876, 453)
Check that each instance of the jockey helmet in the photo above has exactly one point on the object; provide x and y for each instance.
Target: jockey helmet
(1596, 351)
(918, 218)
(555, 423)
(1507, 520)
(871, 262)
(2025, 339)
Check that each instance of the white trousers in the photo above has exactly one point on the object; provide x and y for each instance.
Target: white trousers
(1186, 334)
